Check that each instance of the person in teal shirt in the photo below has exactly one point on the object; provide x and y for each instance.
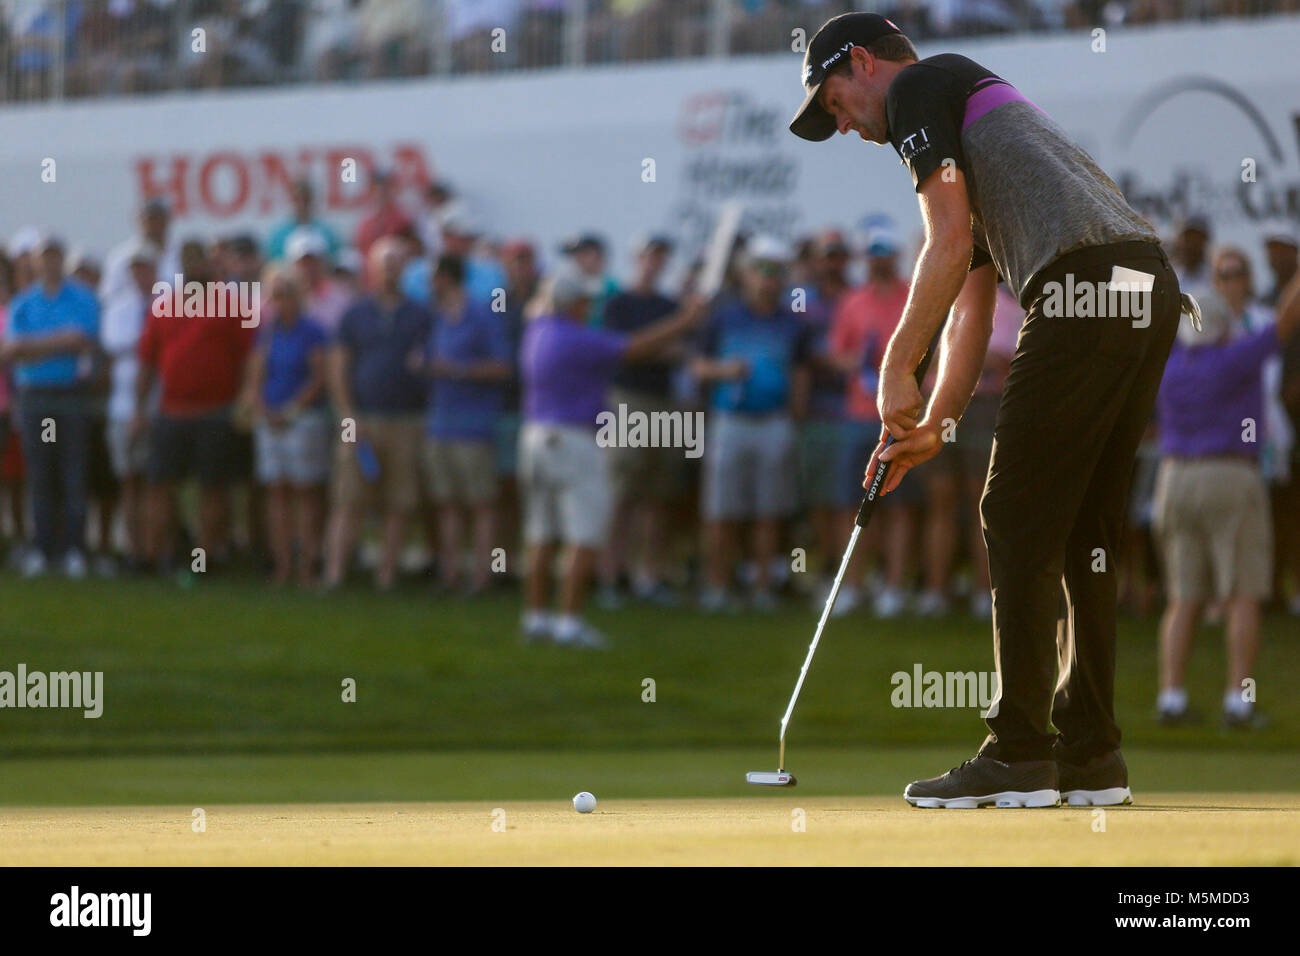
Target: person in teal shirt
(587, 252)
(50, 342)
(302, 218)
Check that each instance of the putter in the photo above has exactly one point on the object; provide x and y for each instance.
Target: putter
(781, 777)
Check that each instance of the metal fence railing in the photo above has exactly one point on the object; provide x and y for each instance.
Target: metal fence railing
(56, 49)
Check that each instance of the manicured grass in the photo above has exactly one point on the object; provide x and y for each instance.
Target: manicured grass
(229, 666)
(502, 775)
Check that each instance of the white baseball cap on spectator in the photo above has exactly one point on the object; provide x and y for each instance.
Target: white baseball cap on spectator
(459, 221)
(349, 260)
(82, 259)
(305, 241)
(569, 286)
(1282, 232)
(48, 242)
(881, 241)
(141, 251)
(24, 240)
(764, 248)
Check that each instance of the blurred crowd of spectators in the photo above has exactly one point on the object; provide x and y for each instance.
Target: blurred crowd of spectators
(420, 396)
(78, 48)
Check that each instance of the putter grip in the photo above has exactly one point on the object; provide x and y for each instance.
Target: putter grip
(869, 499)
(882, 469)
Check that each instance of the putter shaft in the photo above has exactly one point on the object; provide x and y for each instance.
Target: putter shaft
(864, 516)
(812, 648)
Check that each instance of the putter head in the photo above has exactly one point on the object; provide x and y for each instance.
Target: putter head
(768, 778)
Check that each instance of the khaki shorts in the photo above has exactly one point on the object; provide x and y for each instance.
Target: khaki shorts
(750, 466)
(564, 482)
(644, 472)
(1211, 520)
(460, 472)
(396, 442)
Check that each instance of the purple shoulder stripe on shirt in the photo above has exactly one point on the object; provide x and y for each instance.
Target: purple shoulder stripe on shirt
(989, 95)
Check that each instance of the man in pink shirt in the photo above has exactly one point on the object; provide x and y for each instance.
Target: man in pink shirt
(860, 330)
(386, 217)
(325, 300)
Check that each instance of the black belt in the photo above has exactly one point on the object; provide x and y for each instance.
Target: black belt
(1237, 457)
(1086, 258)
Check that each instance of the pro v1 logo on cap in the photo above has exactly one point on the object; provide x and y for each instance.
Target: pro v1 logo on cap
(838, 53)
(836, 38)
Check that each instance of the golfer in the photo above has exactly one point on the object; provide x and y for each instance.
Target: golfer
(1007, 197)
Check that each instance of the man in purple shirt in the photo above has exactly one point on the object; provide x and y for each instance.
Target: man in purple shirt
(1211, 506)
(566, 368)
(469, 362)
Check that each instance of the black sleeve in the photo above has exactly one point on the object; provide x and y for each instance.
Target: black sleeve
(613, 318)
(343, 333)
(1291, 379)
(805, 345)
(708, 340)
(980, 255)
(923, 108)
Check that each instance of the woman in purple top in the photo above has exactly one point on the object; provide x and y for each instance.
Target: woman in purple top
(566, 368)
(1211, 508)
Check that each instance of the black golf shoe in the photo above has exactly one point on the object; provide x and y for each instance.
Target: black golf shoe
(984, 781)
(1253, 719)
(1186, 717)
(1100, 781)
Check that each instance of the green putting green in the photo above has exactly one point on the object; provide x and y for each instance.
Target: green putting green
(236, 692)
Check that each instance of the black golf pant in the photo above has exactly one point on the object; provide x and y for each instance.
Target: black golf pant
(1079, 395)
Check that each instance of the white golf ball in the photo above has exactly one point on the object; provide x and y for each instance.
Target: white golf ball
(584, 802)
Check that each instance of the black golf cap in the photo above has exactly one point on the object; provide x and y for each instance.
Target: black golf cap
(828, 48)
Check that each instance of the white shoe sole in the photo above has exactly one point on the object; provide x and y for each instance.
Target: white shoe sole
(1007, 799)
(1110, 797)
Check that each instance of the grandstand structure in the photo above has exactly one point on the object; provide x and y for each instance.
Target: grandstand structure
(70, 49)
